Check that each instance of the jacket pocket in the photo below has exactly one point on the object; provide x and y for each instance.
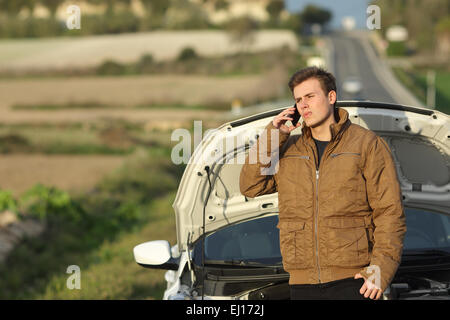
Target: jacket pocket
(347, 242)
(294, 244)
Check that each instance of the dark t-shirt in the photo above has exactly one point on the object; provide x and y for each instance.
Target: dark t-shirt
(320, 147)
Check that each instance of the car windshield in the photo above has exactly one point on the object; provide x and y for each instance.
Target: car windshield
(258, 240)
(426, 230)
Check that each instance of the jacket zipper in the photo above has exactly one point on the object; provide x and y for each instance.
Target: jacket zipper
(317, 215)
(337, 154)
(317, 199)
(317, 204)
(301, 157)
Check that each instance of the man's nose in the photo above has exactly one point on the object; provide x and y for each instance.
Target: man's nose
(303, 106)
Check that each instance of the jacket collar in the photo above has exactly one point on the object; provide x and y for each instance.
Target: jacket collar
(341, 116)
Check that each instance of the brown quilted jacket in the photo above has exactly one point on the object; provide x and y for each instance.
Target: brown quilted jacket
(343, 217)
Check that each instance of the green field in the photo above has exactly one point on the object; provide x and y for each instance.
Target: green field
(416, 82)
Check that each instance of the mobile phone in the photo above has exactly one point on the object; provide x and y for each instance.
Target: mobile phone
(295, 116)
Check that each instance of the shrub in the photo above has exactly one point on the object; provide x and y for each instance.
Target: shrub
(110, 67)
(123, 21)
(7, 201)
(14, 27)
(140, 182)
(49, 204)
(397, 48)
(187, 54)
(108, 23)
(14, 143)
(128, 213)
(145, 63)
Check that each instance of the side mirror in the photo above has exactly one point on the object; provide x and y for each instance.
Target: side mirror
(155, 255)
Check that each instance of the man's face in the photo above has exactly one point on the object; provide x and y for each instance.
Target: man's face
(312, 103)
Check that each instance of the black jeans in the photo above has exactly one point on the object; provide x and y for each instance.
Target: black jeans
(344, 289)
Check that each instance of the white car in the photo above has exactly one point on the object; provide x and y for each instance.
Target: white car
(228, 244)
(352, 85)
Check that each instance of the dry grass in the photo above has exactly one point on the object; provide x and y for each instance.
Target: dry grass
(73, 173)
(133, 90)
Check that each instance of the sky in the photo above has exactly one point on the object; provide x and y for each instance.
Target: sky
(339, 8)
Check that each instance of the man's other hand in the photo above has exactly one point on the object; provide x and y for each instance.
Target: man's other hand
(368, 289)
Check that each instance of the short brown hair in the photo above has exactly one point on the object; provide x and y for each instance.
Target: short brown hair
(326, 79)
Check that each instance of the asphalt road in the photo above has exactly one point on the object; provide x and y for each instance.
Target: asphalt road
(350, 60)
(351, 54)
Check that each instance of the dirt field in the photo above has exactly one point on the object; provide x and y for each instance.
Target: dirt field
(76, 172)
(19, 172)
(129, 92)
(71, 173)
(126, 90)
(63, 52)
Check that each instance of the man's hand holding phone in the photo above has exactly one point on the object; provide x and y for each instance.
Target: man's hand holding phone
(285, 115)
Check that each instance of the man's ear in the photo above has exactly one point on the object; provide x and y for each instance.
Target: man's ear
(332, 96)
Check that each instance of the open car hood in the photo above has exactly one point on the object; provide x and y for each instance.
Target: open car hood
(419, 139)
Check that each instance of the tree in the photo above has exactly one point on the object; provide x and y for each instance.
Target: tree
(313, 14)
(294, 22)
(156, 7)
(221, 5)
(185, 14)
(242, 31)
(30, 4)
(52, 5)
(110, 4)
(13, 7)
(274, 8)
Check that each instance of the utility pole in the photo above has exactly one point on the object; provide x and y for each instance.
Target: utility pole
(431, 89)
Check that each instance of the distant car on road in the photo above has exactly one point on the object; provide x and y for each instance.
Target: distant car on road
(228, 244)
(352, 85)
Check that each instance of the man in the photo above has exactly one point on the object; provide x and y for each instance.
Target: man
(341, 216)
